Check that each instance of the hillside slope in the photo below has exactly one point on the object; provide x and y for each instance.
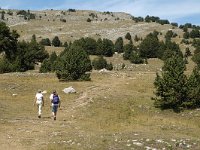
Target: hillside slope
(69, 26)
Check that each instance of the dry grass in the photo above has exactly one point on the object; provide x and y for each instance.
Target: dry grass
(113, 111)
(76, 26)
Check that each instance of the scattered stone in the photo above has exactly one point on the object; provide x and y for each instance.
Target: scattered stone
(138, 143)
(103, 70)
(69, 90)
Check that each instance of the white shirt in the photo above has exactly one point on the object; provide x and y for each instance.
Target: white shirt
(39, 97)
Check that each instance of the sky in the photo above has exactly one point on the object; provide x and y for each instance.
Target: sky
(179, 11)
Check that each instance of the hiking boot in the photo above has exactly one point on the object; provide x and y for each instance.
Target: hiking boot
(39, 116)
(54, 118)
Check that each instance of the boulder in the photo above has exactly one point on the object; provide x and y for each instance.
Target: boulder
(69, 90)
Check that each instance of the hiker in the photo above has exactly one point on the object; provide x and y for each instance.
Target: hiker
(55, 103)
(39, 100)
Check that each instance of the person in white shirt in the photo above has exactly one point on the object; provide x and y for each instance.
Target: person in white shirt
(55, 103)
(39, 100)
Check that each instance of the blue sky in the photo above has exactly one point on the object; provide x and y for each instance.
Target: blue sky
(180, 11)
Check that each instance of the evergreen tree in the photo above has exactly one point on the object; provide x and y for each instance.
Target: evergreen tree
(136, 38)
(45, 66)
(193, 92)
(48, 65)
(187, 52)
(170, 34)
(119, 45)
(128, 48)
(186, 35)
(196, 59)
(135, 58)
(161, 50)
(195, 33)
(8, 41)
(109, 66)
(56, 42)
(171, 48)
(73, 65)
(37, 52)
(33, 39)
(99, 63)
(65, 45)
(149, 47)
(99, 50)
(90, 46)
(5, 65)
(28, 54)
(171, 85)
(45, 42)
(128, 36)
(19, 56)
(107, 48)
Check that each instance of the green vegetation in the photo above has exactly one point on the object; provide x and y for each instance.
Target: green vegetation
(100, 63)
(71, 10)
(118, 47)
(48, 65)
(173, 89)
(27, 15)
(19, 56)
(114, 109)
(128, 36)
(45, 42)
(56, 42)
(74, 64)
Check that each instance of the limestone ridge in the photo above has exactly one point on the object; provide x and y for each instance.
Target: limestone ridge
(71, 24)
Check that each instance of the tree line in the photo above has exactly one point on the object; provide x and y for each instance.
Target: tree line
(174, 90)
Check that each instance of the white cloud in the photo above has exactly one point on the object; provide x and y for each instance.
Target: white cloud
(163, 8)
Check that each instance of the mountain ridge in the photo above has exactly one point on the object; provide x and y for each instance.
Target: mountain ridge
(71, 24)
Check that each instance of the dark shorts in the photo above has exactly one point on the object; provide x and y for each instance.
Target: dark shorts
(54, 108)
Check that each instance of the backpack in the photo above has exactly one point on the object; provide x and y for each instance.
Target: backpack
(55, 99)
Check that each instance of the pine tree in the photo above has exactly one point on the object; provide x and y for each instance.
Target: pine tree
(107, 48)
(135, 58)
(48, 65)
(171, 85)
(99, 50)
(149, 47)
(56, 42)
(45, 42)
(33, 39)
(73, 65)
(128, 49)
(45, 66)
(128, 36)
(193, 85)
(99, 63)
(8, 41)
(90, 46)
(119, 45)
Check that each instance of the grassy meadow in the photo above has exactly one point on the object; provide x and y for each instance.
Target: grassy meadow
(112, 111)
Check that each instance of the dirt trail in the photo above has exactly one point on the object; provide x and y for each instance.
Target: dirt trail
(29, 132)
(20, 129)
